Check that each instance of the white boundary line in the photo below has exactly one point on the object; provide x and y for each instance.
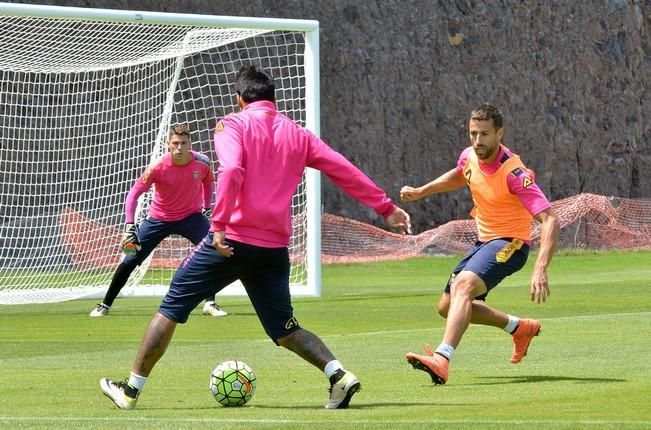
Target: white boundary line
(428, 329)
(563, 318)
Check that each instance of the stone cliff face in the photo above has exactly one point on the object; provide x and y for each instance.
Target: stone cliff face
(399, 79)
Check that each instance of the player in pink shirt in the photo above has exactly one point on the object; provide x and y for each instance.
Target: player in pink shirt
(183, 187)
(262, 156)
(506, 199)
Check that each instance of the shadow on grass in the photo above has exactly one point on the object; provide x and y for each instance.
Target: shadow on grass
(136, 313)
(318, 407)
(529, 379)
(401, 404)
(357, 405)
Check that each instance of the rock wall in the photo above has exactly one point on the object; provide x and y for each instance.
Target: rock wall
(400, 77)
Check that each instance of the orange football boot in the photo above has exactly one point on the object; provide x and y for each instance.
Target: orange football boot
(522, 337)
(434, 364)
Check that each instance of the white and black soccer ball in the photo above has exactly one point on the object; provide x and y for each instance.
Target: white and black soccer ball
(232, 383)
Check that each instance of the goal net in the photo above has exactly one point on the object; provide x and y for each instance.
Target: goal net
(87, 97)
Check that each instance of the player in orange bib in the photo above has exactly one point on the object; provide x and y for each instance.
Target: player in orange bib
(506, 199)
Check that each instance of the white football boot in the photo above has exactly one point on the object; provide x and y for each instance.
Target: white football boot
(342, 389)
(122, 394)
(212, 309)
(100, 310)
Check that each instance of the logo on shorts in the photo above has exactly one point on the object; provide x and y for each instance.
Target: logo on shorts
(219, 127)
(292, 322)
(508, 250)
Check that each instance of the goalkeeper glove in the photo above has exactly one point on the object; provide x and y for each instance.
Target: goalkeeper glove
(130, 244)
(207, 213)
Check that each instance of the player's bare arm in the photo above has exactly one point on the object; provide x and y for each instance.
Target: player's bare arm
(548, 240)
(399, 221)
(450, 180)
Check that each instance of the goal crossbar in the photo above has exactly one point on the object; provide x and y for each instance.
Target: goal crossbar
(164, 18)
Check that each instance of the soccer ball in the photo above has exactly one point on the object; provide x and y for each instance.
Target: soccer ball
(232, 383)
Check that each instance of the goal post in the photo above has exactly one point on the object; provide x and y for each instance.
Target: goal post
(87, 97)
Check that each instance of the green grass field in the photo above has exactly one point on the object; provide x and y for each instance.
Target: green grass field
(589, 368)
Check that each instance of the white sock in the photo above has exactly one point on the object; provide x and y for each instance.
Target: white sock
(137, 381)
(512, 324)
(332, 367)
(445, 350)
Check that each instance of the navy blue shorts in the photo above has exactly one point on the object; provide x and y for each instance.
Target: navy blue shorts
(264, 272)
(151, 232)
(492, 261)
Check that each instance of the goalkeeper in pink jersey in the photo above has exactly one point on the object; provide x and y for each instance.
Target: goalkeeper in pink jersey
(183, 187)
(262, 155)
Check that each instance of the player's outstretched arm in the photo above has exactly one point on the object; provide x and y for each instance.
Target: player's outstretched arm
(131, 201)
(399, 221)
(450, 180)
(548, 240)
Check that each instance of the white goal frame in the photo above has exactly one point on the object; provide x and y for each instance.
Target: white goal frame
(309, 28)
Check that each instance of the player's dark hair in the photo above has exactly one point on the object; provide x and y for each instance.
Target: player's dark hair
(180, 130)
(253, 84)
(487, 111)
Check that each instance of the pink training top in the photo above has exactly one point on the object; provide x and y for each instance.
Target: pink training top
(262, 155)
(179, 191)
(531, 196)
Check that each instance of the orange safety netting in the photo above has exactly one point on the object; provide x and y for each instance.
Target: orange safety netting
(587, 221)
(79, 238)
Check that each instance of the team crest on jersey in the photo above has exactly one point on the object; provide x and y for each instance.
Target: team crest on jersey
(292, 322)
(195, 174)
(219, 127)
